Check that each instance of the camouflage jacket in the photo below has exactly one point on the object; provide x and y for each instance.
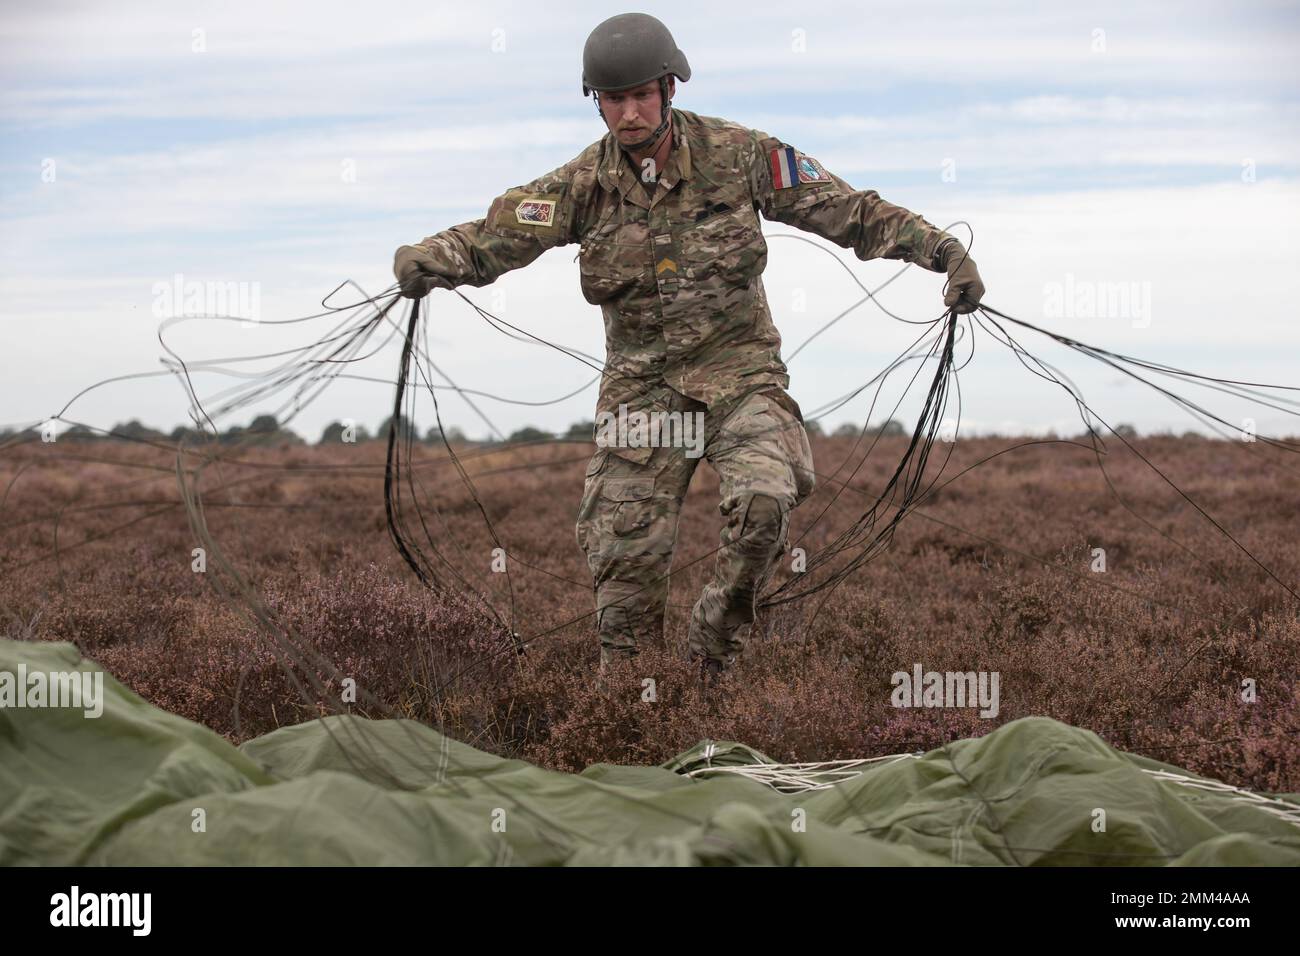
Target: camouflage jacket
(678, 273)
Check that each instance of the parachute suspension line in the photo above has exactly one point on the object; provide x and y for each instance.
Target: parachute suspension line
(390, 463)
(397, 467)
(903, 491)
(1122, 363)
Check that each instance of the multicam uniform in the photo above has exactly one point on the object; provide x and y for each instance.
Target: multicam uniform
(676, 268)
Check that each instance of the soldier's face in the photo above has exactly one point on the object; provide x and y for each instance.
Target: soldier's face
(633, 114)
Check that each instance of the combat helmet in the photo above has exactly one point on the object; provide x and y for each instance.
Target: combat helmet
(626, 51)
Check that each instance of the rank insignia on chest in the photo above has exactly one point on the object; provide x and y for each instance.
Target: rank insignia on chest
(791, 168)
(536, 212)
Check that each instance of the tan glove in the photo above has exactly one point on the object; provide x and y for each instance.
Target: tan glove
(965, 287)
(417, 272)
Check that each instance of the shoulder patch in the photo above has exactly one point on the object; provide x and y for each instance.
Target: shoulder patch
(792, 168)
(523, 212)
(536, 212)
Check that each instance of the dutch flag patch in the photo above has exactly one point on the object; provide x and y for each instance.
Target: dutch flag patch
(790, 168)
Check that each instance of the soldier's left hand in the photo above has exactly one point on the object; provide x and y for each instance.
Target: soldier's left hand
(965, 288)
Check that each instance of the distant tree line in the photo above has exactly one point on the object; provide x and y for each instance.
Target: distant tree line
(261, 430)
(339, 431)
(265, 430)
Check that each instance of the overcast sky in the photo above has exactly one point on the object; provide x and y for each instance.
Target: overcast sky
(1150, 148)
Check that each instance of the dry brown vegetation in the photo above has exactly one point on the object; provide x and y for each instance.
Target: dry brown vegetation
(993, 574)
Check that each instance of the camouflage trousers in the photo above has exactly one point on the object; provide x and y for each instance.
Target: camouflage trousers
(627, 522)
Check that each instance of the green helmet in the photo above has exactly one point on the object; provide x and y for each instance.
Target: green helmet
(628, 50)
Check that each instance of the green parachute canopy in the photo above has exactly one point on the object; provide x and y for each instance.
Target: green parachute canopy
(138, 786)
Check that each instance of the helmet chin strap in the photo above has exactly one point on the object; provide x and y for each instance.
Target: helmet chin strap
(653, 138)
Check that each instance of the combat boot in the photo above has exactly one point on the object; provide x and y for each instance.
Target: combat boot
(710, 669)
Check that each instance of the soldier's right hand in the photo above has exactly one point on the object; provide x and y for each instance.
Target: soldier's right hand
(415, 271)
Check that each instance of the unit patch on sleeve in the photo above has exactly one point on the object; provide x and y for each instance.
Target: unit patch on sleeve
(536, 212)
(792, 168)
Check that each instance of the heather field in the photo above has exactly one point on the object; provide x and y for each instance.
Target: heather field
(1184, 650)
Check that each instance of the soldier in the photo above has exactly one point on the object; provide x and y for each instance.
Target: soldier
(665, 210)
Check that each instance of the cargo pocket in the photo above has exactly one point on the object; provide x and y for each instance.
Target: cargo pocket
(594, 467)
(633, 509)
(795, 439)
